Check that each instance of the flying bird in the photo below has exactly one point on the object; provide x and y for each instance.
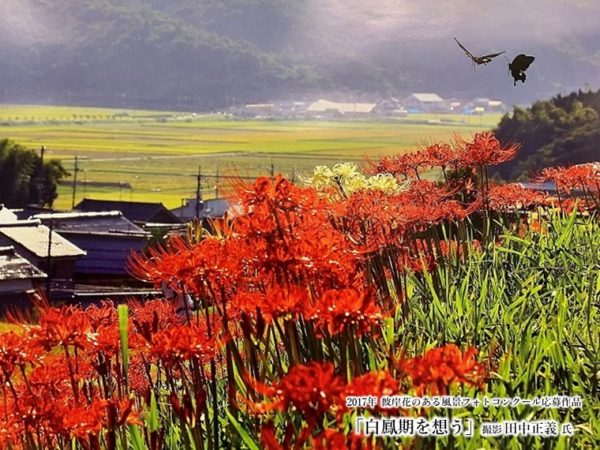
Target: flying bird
(518, 66)
(478, 60)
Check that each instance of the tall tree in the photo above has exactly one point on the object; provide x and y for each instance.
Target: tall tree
(25, 178)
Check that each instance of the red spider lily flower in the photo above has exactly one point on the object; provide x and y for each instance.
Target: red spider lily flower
(43, 409)
(250, 304)
(16, 351)
(286, 303)
(268, 439)
(85, 420)
(339, 310)
(310, 389)
(278, 193)
(103, 315)
(434, 155)
(426, 204)
(66, 326)
(184, 266)
(513, 196)
(441, 155)
(150, 317)
(406, 164)
(370, 220)
(11, 427)
(183, 343)
(582, 180)
(582, 205)
(162, 263)
(378, 384)
(484, 150)
(276, 302)
(58, 374)
(286, 236)
(138, 375)
(216, 263)
(441, 367)
(569, 178)
(105, 340)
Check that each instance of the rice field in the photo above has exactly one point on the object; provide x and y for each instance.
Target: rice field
(157, 155)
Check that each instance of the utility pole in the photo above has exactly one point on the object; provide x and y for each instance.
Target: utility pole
(49, 259)
(198, 192)
(217, 183)
(40, 179)
(75, 170)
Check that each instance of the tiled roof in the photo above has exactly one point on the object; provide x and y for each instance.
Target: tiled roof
(34, 238)
(427, 97)
(105, 222)
(325, 105)
(6, 215)
(14, 267)
(135, 211)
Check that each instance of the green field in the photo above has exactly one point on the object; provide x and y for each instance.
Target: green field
(156, 155)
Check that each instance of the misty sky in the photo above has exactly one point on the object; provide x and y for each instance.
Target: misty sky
(358, 26)
(361, 25)
(406, 32)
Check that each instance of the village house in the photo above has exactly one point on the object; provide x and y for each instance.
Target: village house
(390, 107)
(18, 279)
(256, 110)
(44, 248)
(487, 105)
(140, 213)
(206, 209)
(424, 103)
(107, 237)
(322, 108)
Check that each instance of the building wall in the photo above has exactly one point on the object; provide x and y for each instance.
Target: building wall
(106, 255)
(15, 286)
(63, 267)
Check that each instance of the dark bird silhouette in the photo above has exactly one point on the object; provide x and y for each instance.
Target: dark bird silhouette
(478, 60)
(518, 66)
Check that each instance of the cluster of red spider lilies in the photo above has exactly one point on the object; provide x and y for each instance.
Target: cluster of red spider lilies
(294, 302)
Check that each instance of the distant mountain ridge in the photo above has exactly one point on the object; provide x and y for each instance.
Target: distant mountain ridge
(207, 54)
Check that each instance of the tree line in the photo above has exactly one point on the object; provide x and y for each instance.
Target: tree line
(26, 178)
(564, 130)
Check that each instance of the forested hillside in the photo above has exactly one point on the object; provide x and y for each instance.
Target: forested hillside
(206, 54)
(562, 131)
(144, 53)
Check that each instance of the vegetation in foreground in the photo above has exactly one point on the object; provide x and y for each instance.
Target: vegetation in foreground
(375, 283)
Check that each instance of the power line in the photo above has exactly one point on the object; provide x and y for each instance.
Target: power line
(185, 175)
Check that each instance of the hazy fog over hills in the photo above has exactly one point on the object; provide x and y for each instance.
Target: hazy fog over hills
(213, 53)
